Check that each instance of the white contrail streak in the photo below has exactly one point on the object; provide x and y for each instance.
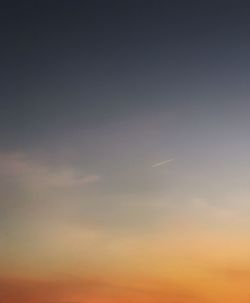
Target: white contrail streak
(163, 162)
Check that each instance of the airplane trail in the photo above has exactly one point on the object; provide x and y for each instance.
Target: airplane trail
(162, 163)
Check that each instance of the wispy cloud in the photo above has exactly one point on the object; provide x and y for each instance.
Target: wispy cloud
(13, 164)
(66, 178)
(18, 165)
(76, 290)
(223, 213)
(162, 163)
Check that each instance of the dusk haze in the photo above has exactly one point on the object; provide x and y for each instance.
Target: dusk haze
(125, 151)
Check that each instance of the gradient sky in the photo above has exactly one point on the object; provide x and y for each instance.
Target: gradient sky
(124, 151)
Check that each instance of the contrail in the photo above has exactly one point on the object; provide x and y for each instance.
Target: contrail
(163, 162)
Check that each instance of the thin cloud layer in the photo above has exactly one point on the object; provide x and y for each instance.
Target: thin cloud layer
(88, 290)
(20, 166)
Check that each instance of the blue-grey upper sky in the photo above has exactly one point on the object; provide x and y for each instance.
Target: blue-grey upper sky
(68, 67)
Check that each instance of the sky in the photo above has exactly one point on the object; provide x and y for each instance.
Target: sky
(124, 151)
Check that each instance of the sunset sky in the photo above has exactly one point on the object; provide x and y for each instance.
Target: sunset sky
(125, 151)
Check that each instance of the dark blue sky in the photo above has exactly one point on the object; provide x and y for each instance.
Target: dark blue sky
(70, 65)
